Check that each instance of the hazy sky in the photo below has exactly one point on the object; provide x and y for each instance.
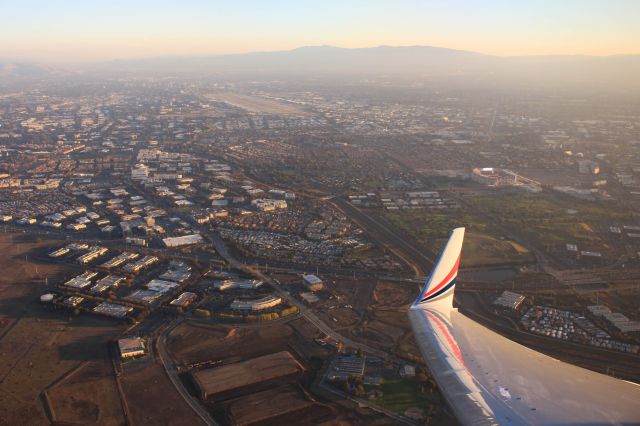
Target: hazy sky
(79, 30)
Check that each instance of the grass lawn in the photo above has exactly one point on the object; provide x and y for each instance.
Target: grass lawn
(399, 394)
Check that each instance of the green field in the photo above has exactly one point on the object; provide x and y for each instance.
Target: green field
(480, 247)
(546, 218)
(400, 394)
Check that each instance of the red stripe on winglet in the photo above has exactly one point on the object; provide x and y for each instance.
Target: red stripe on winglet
(454, 270)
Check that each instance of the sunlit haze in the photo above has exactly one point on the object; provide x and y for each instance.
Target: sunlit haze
(75, 30)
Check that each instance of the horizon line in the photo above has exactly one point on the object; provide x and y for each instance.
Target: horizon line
(251, 52)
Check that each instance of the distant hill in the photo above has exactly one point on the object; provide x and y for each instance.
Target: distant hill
(316, 60)
(414, 62)
(15, 69)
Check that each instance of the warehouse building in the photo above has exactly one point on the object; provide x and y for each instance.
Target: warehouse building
(184, 299)
(247, 376)
(113, 310)
(237, 283)
(257, 304)
(93, 254)
(183, 240)
(131, 347)
(312, 282)
(509, 300)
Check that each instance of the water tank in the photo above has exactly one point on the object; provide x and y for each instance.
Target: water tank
(46, 298)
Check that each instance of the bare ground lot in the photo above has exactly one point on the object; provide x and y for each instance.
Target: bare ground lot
(393, 295)
(152, 399)
(257, 104)
(283, 405)
(39, 347)
(90, 396)
(38, 351)
(193, 343)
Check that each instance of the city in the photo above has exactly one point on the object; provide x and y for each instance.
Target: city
(179, 247)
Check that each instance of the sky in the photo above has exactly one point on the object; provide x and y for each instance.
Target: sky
(96, 30)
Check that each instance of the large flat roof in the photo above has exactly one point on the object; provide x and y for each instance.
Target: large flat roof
(213, 381)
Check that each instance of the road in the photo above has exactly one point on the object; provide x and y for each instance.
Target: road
(167, 363)
(304, 310)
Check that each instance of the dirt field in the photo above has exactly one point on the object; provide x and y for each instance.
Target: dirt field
(193, 343)
(38, 347)
(393, 295)
(385, 324)
(152, 399)
(90, 395)
(41, 349)
(257, 104)
(20, 276)
(268, 405)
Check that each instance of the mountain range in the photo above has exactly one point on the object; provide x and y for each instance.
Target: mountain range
(412, 62)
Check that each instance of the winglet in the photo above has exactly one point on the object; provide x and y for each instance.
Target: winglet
(441, 283)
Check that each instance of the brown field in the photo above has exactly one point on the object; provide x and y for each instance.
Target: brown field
(152, 399)
(340, 317)
(193, 343)
(257, 104)
(38, 347)
(20, 276)
(88, 396)
(41, 349)
(408, 348)
(270, 405)
(393, 295)
(305, 329)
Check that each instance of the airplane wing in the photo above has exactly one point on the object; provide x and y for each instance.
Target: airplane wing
(488, 379)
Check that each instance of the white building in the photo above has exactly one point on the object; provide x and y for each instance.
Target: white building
(312, 282)
(131, 347)
(257, 304)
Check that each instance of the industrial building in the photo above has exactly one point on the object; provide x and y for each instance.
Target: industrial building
(268, 205)
(509, 300)
(617, 321)
(107, 282)
(344, 366)
(73, 301)
(247, 376)
(257, 304)
(312, 282)
(143, 296)
(120, 259)
(182, 241)
(131, 347)
(78, 282)
(161, 286)
(60, 252)
(112, 310)
(92, 254)
(184, 299)
(140, 264)
(237, 283)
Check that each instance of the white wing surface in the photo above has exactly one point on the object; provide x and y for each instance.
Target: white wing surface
(489, 379)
